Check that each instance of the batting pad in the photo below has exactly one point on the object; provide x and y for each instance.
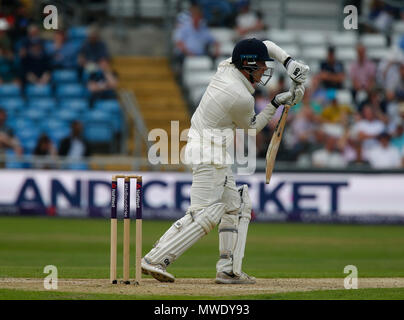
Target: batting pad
(184, 233)
(228, 229)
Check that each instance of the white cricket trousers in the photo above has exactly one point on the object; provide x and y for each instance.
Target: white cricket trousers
(215, 184)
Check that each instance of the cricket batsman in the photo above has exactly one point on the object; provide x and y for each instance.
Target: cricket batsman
(227, 104)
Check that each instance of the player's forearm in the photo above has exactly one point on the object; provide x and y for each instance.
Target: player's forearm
(262, 119)
(276, 52)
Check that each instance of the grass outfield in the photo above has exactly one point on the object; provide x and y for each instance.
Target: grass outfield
(80, 250)
(360, 294)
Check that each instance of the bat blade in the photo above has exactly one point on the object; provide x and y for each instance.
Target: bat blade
(274, 144)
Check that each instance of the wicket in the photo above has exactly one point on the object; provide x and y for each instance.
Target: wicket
(126, 228)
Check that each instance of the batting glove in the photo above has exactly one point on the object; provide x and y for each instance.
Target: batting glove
(297, 91)
(296, 70)
(282, 98)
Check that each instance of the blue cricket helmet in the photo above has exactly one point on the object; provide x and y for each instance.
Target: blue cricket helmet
(250, 50)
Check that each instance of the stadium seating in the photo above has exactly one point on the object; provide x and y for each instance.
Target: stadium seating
(202, 78)
(197, 63)
(345, 54)
(343, 39)
(226, 48)
(223, 35)
(110, 106)
(46, 104)
(292, 49)
(10, 90)
(71, 90)
(378, 53)
(282, 37)
(36, 109)
(29, 135)
(314, 53)
(57, 134)
(12, 104)
(65, 76)
(99, 131)
(33, 90)
(373, 40)
(313, 38)
(22, 123)
(34, 114)
(55, 128)
(66, 115)
(77, 104)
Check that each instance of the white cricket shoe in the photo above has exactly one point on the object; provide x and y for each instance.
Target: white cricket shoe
(157, 271)
(231, 278)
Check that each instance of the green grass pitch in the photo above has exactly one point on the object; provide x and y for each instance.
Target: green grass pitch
(80, 249)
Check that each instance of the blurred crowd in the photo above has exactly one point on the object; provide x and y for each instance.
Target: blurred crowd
(323, 130)
(368, 132)
(29, 55)
(192, 36)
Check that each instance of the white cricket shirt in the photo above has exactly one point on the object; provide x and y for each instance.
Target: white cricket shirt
(227, 103)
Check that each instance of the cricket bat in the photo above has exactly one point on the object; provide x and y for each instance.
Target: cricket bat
(274, 144)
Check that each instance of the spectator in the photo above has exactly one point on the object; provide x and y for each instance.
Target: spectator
(329, 156)
(7, 139)
(93, 50)
(45, 147)
(35, 65)
(335, 118)
(31, 41)
(362, 73)
(193, 38)
(218, 13)
(395, 82)
(336, 113)
(331, 75)
(74, 146)
(5, 42)
(381, 16)
(367, 129)
(353, 152)
(398, 138)
(8, 67)
(303, 128)
(249, 24)
(383, 155)
(377, 101)
(102, 82)
(20, 21)
(388, 69)
(63, 53)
